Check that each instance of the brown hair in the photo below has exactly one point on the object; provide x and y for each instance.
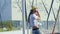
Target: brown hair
(37, 13)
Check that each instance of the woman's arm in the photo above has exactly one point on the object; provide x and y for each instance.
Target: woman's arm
(36, 17)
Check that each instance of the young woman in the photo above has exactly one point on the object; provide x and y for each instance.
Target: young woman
(33, 19)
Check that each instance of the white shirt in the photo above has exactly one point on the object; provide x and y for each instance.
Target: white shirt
(33, 20)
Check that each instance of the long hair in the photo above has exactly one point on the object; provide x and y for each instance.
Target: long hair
(31, 12)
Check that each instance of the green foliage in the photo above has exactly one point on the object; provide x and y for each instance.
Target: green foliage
(6, 24)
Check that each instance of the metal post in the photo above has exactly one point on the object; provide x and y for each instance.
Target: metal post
(26, 18)
(23, 15)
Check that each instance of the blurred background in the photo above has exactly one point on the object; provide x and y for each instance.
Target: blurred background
(11, 14)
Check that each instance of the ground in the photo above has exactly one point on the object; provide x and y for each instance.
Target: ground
(21, 32)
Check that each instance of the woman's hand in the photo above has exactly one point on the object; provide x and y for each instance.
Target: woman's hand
(38, 18)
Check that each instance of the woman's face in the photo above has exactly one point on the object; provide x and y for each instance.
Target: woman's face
(35, 12)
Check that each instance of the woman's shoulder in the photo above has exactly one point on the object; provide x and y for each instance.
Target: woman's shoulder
(32, 15)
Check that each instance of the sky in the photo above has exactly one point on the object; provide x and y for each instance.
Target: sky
(17, 14)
